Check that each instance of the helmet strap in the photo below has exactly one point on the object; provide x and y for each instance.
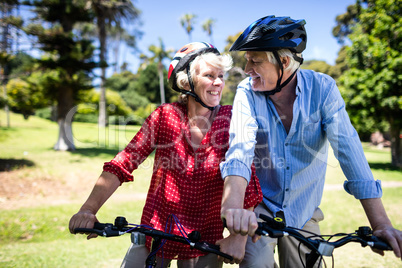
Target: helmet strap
(279, 86)
(192, 92)
(299, 59)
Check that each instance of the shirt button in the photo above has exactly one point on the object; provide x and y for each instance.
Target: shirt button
(287, 189)
(284, 206)
(287, 168)
(286, 144)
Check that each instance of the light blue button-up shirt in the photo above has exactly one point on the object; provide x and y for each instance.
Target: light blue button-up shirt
(291, 166)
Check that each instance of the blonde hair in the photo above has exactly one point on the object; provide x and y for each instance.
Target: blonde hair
(223, 62)
(293, 64)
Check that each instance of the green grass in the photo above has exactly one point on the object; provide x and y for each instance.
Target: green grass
(38, 236)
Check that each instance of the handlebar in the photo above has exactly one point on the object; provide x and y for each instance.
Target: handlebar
(276, 228)
(121, 227)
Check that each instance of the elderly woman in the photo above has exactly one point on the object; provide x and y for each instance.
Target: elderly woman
(190, 138)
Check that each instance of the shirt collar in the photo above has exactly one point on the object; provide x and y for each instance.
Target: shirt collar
(299, 82)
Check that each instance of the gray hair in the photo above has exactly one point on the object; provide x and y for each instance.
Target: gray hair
(293, 64)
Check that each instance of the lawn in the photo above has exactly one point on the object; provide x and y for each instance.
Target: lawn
(41, 189)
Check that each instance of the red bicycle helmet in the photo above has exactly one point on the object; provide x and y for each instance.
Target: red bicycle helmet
(182, 60)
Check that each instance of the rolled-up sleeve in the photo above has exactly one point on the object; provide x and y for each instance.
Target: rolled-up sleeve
(363, 189)
(242, 139)
(234, 167)
(347, 147)
(139, 148)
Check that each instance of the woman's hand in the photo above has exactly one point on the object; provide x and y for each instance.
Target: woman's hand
(83, 219)
(233, 245)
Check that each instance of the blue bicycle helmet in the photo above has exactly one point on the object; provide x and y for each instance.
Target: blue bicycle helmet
(272, 33)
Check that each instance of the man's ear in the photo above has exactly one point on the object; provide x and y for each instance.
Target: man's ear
(285, 62)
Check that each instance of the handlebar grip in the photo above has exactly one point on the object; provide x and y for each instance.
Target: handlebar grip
(88, 230)
(215, 249)
(99, 229)
(380, 244)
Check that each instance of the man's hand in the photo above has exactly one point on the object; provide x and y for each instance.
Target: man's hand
(392, 236)
(241, 221)
(238, 220)
(382, 226)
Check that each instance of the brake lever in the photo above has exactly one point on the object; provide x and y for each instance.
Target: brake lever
(366, 233)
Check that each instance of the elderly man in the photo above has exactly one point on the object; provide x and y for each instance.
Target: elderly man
(282, 120)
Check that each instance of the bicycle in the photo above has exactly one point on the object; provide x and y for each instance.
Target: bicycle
(138, 233)
(320, 247)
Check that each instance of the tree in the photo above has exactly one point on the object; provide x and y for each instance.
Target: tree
(207, 27)
(8, 23)
(236, 74)
(159, 54)
(106, 13)
(24, 93)
(117, 36)
(67, 57)
(124, 84)
(187, 22)
(26, 96)
(340, 64)
(21, 65)
(345, 22)
(317, 65)
(372, 85)
(147, 83)
(323, 67)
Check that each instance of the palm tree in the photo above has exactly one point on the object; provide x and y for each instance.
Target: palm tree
(160, 54)
(117, 35)
(207, 27)
(187, 21)
(106, 13)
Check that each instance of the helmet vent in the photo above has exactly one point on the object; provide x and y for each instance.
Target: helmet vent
(286, 36)
(286, 21)
(267, 29)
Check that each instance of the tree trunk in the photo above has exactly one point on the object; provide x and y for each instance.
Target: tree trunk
(161, 84)
(6, 108)
(102, 102)
(65, 114)
(65, 142)
(102, 55)
(396, 144)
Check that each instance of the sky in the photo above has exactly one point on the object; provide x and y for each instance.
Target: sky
(161, 19)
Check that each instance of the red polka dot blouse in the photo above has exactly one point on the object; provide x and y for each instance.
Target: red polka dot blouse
(185, 183)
